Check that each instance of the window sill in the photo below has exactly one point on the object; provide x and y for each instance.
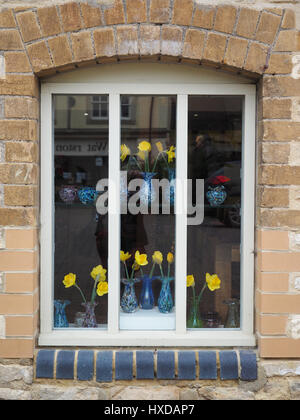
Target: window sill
(203, 338)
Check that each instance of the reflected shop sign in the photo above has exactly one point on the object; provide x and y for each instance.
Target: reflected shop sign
(81, 148)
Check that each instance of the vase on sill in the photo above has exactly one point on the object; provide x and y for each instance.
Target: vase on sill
(60, 317)
(170, 198)
(89, 320)
(146, 296)
(232, 319)
(147, 193)
(194, 319)
(129, 302)
(165, 300)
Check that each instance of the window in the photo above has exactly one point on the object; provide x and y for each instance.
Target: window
(99, 107)
(142, 221)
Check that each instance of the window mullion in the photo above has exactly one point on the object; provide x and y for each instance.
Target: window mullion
(181, 212)
(114, 215)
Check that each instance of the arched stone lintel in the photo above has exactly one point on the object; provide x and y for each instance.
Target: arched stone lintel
(238, 39)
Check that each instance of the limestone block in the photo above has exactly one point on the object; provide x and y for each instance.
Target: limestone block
(293, 327)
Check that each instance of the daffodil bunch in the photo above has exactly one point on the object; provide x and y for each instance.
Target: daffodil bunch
(141, 260)
(144, 149)
(100, 287)
(212, 282)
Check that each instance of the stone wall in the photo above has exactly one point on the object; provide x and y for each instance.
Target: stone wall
(277, 380)
(257, 39)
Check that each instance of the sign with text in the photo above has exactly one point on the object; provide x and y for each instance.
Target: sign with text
(81, 148)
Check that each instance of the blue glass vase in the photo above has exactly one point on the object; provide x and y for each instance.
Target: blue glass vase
(60, 317)
(147, 193)
(165, 300)
(129, 302)
(87, 195)
(172, 180)
(216, 195)
(146, 296)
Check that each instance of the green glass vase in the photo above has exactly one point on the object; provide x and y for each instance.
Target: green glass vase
(194, 320)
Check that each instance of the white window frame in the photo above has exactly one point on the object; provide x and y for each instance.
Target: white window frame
(92, 117)
(180, 336)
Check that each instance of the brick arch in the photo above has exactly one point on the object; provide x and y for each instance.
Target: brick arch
(61, 37)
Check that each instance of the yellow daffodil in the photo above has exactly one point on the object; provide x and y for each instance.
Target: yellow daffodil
(102, 288)
(99, 271)
(157, 257)
(170, 257)
(213, 282)
(144, 146)
(159, 146)
(141, 259)
(69, 280)
(190, 281)
(135, 266)
(124, 256)
(171, 154)
(125, 151)
(141, 155)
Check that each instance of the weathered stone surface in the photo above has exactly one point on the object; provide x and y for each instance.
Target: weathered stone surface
(225, 394)
(159, 11)
(204, 17)
(12, 394)
(74, 393)
(168, 393)
(282, 368)
(267, 28)
(225, 18)
(15, 376)
(49, 21)
(247, 22)
(278, 391)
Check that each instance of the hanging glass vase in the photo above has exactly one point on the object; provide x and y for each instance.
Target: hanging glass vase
(147, 193)
(129, 302)
(165, 300)
(194, 320)
(87, 195)
(89, 320)
(146, 296)
(60, 317)
(232, 320)
(216, 195)
(68, 193)
(172, 181)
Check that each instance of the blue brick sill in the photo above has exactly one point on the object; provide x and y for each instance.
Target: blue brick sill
(109, 365)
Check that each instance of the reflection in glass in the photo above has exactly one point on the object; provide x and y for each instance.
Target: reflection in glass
(215, 149)
(148, 143)
(81, 159)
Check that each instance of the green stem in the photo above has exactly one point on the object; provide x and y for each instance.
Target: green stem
(151, 272)
(165, 160)
(82, 295)
(147, 162)
(142, 271)
(94, 289)
(201, 293)
(169, 269)
(126, 269)
(156, 160)
(161, 270)
(137, 163)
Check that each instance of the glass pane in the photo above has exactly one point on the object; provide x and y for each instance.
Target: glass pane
(81, 160)
(213, 265)
(147, 219)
